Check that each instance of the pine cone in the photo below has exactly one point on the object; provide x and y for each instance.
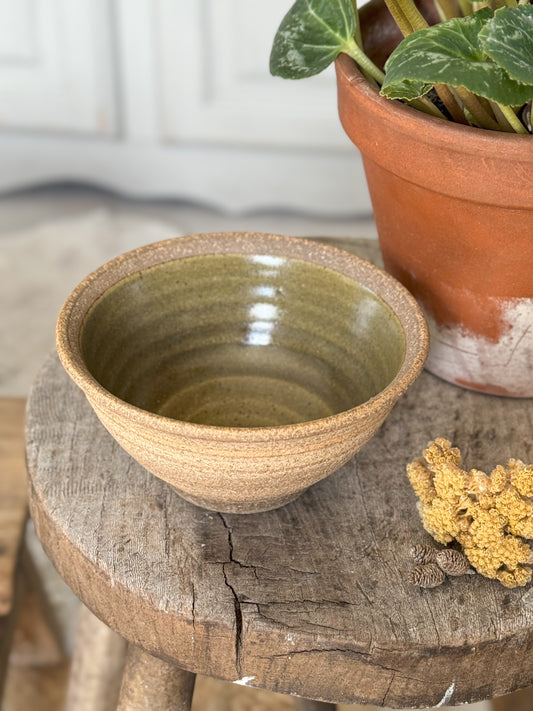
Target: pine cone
(422, 554)
(426, 576)
(452, 562)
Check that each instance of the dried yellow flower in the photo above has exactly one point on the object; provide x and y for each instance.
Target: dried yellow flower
(513, 579)
(488, 515)
(439, 519)
(479, 484)
(511, 504)
(421, 481)
(521, 477)
(499, 479)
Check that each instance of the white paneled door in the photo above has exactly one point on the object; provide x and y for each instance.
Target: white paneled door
(55, 68)
(169, 98)
(217, 86)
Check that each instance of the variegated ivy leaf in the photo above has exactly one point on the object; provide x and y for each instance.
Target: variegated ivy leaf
(310, 37)
(508, 40)
(451, 53)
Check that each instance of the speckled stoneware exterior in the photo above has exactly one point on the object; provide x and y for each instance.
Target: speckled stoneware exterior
(241, 368)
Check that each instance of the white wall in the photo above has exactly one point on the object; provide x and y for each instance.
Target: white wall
(168, 98)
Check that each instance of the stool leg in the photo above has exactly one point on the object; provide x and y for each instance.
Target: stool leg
(7, 628)
(519, 701)
(37, 640)
(97, 666)
(308, 705)
(150, 684)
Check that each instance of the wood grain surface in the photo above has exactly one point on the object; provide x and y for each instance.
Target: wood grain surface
(310, 599)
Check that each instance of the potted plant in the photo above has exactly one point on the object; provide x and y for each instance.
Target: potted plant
(442, 118)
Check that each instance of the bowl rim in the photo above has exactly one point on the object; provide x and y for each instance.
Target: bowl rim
(72, 316)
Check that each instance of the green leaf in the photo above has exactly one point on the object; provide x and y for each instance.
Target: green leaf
(310, 37)
(408, 90)
(451, 53)
(508, 40)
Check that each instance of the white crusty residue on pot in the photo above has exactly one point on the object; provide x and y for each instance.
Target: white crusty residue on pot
(463, 357)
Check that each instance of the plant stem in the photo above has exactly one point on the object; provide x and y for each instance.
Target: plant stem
(358, 37)
(466, 7)
(440, 11)
(409, 19)
(450, 102)
(446, 9)
(413, 14)
(353, 50)
(480, 114)
(513, 119)
(372, 71)
(500, 118)
(427, 106)
(399, 17)
(407, 16)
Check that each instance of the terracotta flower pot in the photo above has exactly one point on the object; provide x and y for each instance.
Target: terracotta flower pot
(454, 212)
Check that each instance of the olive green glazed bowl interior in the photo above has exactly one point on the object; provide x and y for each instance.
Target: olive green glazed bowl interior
(241, 368)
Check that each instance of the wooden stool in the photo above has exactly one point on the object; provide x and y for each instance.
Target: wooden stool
(310, 599)
(28, 631)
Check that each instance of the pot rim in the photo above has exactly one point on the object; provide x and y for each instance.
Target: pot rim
(432, 129)
(387, 288)
(489, 168)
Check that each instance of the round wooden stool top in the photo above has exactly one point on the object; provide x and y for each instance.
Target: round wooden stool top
(310, 599)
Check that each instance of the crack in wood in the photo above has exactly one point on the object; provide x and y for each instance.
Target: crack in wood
(193, 608)
(365, 657)
(236, 600)
(276, 621)
(306, 601)
(432, 616)
(325, 650)
(393, 676)
(164, 501)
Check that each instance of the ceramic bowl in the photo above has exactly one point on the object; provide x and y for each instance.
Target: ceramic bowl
(241, 368)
